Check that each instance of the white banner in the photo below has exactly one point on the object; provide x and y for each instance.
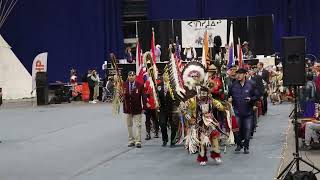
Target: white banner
(39, 65)
(268, 61)
(193, 31)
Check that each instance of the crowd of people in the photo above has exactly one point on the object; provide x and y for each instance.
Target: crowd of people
(309, 105)
(242, 92)
(89, 88)
(214, 108)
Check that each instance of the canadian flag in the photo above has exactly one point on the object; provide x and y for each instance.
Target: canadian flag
(140, 70)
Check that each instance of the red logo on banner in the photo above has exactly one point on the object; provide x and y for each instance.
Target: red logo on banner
(39, 66)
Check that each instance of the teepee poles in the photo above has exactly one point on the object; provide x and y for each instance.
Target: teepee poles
(6, 7)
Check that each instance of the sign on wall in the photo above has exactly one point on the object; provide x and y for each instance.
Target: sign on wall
(193, 32)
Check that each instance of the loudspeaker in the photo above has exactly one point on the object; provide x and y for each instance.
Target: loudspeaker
(294, 66)
(41, 79)
(42, 88)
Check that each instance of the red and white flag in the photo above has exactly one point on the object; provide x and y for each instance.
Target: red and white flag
(139, 60)
(178, 56)
(140, 70)
(153, 47)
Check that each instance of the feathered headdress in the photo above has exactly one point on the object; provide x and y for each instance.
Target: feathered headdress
(194, 74)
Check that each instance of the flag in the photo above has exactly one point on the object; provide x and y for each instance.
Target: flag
(138, 57)
(240, 54)
(177, 59)
(177, 52)
(231, 48)
(153, 47)
(153, 54)
(178, 55)
(140, 70)
(39, 65)
(143, 75)
(205, 51)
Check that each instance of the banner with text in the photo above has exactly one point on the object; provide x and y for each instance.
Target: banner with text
(39, 65)
(193, 31)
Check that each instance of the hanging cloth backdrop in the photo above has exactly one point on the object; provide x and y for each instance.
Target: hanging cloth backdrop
(192, 32)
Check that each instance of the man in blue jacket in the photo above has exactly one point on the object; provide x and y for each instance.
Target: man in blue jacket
(243, 95)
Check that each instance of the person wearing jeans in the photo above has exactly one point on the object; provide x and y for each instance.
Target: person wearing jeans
(243, 95)
(311, 132)
(245, 124)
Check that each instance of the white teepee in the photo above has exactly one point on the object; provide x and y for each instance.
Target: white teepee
(15, 80)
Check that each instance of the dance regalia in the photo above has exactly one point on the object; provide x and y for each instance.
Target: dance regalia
(204, 130)
(217, 89)
(197, 106)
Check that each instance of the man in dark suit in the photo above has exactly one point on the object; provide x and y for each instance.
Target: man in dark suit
(265, 76)
(133, 105)
(257, 83)
(166, 115)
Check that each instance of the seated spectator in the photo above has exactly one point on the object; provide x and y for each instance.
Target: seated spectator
(128, 55)
(312, 130)
(309, 97)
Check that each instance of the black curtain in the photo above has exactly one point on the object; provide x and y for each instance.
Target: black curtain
(260, 35)
(290, 17)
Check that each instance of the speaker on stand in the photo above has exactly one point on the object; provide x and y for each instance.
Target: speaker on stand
(294, 64)
(294, 75)
(42, 88)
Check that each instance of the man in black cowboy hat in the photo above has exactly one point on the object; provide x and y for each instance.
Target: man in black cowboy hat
(243, 95)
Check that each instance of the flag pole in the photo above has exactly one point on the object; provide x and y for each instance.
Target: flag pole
(5, 12)
(138, 55)
(137, 39)
(172, 28)
(212, 58)
(137, 30)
